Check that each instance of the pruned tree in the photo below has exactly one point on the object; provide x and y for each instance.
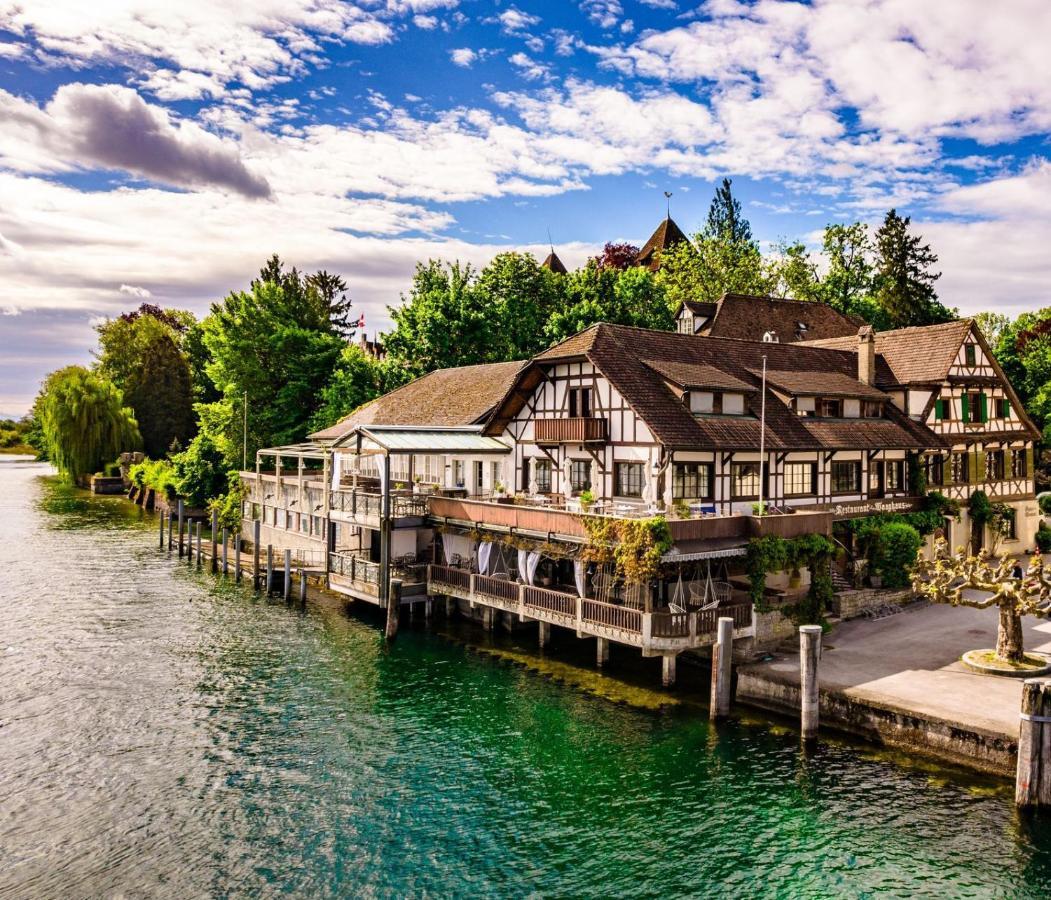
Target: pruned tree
(982, 582)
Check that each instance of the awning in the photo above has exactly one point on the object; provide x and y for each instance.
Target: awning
(410, 439)
(715, 548)
(309, 450)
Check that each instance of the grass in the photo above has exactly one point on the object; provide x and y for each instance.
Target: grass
(989, 658)
(19, 449)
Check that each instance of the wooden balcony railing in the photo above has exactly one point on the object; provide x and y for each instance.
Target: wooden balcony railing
(369, 505)
(569, 431)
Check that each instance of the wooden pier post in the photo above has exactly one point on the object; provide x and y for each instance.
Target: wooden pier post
(288, 576)
(601, 651)
(390, 631)
(226, 567)
(182, 521)
(303, 586)
(161, 543)
(215, 534)
(200, 551)
(237, 557)
(1033, 779)
(171, 530)
(722, 659)
(668, 669)
(257, 579)
(268, 585)
(543, 634)
(809, 656)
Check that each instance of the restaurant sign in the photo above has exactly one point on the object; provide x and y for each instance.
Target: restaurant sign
(852, 509)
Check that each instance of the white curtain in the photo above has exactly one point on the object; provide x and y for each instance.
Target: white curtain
(456, 545)
(381, 471)
(579, 575)
(531, 463)
(485, 550)
(337, 470)
(567, 484)
(528, 561)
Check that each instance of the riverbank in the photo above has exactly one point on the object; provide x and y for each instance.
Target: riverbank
(899, 682)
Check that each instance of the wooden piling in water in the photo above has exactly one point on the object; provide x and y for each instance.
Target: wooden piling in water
(722, 659)
(161, 540)
(809, 655)
(390, 631)
(237, 557)
(226, 568)
(215, 534)
(182, 522)
(601, 651)
(269, 583)
(303, 586)
(200, 551)
(1033, 777)
(256, 550)
(288, 575)
(171, 531)
(668, 669)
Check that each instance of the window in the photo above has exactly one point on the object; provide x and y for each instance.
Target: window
(829, 407)
(744, 481)
(934, 468)
(580, 403)
(479, 476)
(1019, 464)
(961, 467)
(871, 409)
(970, 355)
(895, 474)
(580, 475)
(973, 407)
(942, 408)
(692, 481)
(458, 473)
(846, 477)
(799, 479)
(543, 476)
(732, 404)
(994, 465)
(702, 402)
(628, 478)
(685, 323)
(494, 474)
(1010, 526)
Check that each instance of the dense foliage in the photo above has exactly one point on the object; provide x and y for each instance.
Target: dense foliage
(773, 554)
(84, 422)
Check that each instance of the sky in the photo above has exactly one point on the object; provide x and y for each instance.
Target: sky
(161, 151)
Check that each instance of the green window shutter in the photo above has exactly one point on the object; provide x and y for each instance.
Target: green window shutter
(946, 470)
(1028, 462)
(965, 408)
(939, 408)
(983, 408)
(978, 469)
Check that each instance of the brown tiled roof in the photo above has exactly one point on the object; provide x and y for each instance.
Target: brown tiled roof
(698, 307)
(625, 356)
(462, 396)
(668, 234)
(748, 318)
(813, 384)
(554, 263)
(692, 375)
(919, 355)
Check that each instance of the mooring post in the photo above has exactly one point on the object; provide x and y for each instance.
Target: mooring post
(809, 656)
(181, 523)
(288, 575)
(722, 659)
(1033, 779)
(268, 584)
(256, 550)
(237, 557)
(200, 552)
(226, 568)
(601, 652)
(161, 518)
(171, 530)
(215, 535)
(393, 609)
(303, 586)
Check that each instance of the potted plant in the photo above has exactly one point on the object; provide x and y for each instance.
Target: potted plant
(587, 500)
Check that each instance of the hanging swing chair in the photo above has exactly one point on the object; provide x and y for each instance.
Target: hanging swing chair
(604, 582)
(499, 568)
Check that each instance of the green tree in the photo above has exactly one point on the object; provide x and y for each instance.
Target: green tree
(357, 379)
(200, 472)
(726, 221)
(84, 422)
(707, 268)
(517, 295)
(993, 326)
(904, 280)
(597, 293)
(848, 252)
(794, 273)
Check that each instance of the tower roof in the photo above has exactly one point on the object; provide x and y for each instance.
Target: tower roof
(667, 235)
(554, 263)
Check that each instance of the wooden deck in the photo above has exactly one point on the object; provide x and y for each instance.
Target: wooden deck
(654, 632)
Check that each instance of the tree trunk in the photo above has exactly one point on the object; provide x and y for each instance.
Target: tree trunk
(1009, 636)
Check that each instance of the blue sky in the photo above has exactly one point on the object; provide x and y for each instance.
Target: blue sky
(163, 151)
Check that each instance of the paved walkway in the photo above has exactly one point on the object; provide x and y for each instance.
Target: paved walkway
(910, 661)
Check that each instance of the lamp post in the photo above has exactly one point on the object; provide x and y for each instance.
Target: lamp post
(762, 440)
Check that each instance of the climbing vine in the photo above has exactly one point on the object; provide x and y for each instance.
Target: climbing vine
(774, 554)
(634, 546)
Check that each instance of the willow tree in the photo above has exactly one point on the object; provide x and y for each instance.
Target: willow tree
(84, 421)
(979, 581)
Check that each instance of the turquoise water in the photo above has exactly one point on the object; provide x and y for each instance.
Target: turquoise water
(166, 735)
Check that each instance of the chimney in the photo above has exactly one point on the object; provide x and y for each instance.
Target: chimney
(866, 354)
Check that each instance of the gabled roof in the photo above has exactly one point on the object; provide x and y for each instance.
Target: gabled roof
(554, 263)
(693, 375)
(626, 357)
(747, 317)
(466, 395)
(697, 307)
(667, 235)
(922, 354)
(822, 384)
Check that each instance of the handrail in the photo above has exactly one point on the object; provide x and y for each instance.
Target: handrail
(457, 578)
(622, 617)
(370, 504)
(551, 601)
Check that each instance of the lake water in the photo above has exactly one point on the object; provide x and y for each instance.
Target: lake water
(163, 734)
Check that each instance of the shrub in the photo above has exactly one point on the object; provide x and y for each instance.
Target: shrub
(1043, 538)
(896, 551)
(229, 505)
(1045, 504)
(199, 472)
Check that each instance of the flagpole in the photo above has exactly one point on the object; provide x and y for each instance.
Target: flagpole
(762, 439)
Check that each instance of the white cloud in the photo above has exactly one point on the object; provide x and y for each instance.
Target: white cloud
(528, 66)
(660, 4)
(513, 20)
(463, 56)
(134, 290)
(426, 23)
(604, 13)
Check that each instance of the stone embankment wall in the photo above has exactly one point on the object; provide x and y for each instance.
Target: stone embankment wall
(851, 604)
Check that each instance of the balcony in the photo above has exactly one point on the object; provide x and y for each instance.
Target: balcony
(581, 430)
(353, 574)
(365, 508)
(657, 631)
